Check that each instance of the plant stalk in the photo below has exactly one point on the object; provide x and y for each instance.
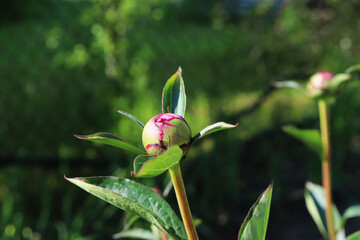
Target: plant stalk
(176, 177)
(326, 165)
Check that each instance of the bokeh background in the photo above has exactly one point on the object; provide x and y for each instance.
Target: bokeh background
(65, 65)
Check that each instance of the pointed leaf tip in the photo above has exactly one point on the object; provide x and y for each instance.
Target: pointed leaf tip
(213, 128)
(173, 95)
(179, 70)
(111, 139)
(132, 117)
(256, 221)
(79, 136)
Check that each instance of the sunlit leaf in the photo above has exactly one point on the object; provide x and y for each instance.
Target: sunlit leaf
(255, 223)
(110, 139)
(173, 95)
(137, 233)
(350, 212)
(310, 137)
(135, 198)
(132, 117)
(316, 204)
(289, 84)
(211, 129)
(151, 166)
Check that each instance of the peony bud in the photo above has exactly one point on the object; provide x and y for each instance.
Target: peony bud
(166, 130)
(318, 85)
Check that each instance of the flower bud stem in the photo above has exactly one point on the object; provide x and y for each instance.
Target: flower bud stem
(176, 177)
(326, 165)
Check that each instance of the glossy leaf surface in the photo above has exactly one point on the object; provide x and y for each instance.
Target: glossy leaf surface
(350, 212)
(255, 223)
(315, 203)
(211, 129)
(310, 137)
(132, 117)
(135, 198)
(151, 166)
(173, 95)
(110, 139)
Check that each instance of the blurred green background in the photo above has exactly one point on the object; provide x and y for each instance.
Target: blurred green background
(65, 65)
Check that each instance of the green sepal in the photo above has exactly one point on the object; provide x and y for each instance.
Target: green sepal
(110, 139)
(255, 223)
(173, 95)
(336, 81)
(211, 129)
(132, 117)
(150, 166)
(136, 198)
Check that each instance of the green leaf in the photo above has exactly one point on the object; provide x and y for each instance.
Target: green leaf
(354, 236)
(315, 203)
(135, 198)
(353, 68)
(311, 138)
(289, 84)
(212, 128)
(255, 223)
(151, 166)
(110, 139)
(350, 212)
(132, 117)
(173, 95)
(337, 80)
(137, 233)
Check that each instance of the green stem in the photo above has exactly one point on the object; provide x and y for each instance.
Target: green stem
(326, 165)
(176, 177)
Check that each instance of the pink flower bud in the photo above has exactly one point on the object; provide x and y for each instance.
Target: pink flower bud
(317, 85)
(166, 130)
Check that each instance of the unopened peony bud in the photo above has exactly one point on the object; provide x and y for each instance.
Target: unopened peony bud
(318, 85)
(166, 130)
